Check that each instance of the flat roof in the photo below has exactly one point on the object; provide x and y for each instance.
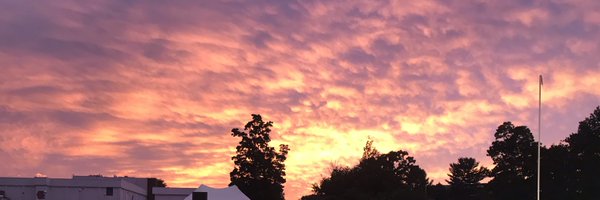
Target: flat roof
(96, 182)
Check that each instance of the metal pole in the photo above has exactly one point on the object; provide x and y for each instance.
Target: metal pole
(539, 135)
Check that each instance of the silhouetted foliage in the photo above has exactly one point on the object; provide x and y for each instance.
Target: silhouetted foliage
(369, 151)
(157, 182)
(584, 149)
(569, 170)
(466, 172)
(154, 182)
(557, 173)
(393, 175)
(465, 177)
(259, 170)
(314, 197)
(514, 153)
(439, 192)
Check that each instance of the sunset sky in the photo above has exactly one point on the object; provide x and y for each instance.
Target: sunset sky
(153, 88)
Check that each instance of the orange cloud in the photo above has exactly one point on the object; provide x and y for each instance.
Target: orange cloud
(149, 89)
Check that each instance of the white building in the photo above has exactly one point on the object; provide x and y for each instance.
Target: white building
(105, 188)
(84, 188)
(171, 193)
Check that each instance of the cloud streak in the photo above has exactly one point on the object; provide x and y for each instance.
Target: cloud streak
(153, 89)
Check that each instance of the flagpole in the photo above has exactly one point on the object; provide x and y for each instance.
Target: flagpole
(539, 134)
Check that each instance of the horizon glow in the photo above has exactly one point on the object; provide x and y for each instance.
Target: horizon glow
(152, 89)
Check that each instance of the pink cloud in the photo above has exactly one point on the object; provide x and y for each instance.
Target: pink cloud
(153, 89)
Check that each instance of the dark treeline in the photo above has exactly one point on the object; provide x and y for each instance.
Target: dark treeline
(569, 170)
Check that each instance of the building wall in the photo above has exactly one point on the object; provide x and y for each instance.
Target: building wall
(19, 192)
(172, 197)
(80, 193)
(129, 195)
(171, 193)
(71, 189)
(65, 193)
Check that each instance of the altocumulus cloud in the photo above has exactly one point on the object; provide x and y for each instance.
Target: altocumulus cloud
(152, 88)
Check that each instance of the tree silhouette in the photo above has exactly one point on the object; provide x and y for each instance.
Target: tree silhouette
(439, 192)
(465, 177)
(466, 172)
(584, 148)
(157, 182)
(153, 182)
(569, 170)
(557, 173)
(393, 175)
(514, 153)
(259, 170)
(369, 150)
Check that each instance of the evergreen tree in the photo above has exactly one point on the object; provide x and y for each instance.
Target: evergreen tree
(466, 172)
(465, 177)
(259, 170)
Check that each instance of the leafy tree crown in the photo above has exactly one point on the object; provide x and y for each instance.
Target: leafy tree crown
(259, 170)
